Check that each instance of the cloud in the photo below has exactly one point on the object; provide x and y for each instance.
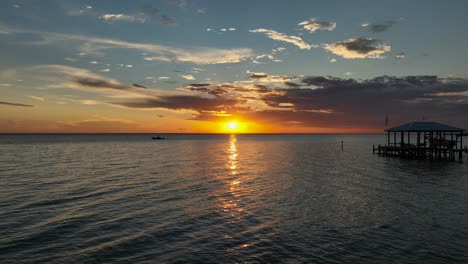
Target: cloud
(167, 20)
(378, 28)
(139, 86)
(122, 17)
(105, 70)
(62, 77)
(284, 38)
(74, 9)
(400, 55)
(358, 48)
(178, 102)
(201, 11)
(357, 105)
(37, 98)
(180, 3)
(5, 30)
(188, 77)
(208, 56)
(315, 101)
(313, 25)
(152, 13)
(263, 77)
(333, 60)
(147, 14)
(71, 59)
(15, 104)
(200, 55)
(221, 30)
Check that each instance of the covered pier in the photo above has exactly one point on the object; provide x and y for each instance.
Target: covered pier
(421, 140)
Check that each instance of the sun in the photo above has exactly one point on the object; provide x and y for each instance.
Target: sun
(233, 125)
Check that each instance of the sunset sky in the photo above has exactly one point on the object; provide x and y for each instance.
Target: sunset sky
(188, 66)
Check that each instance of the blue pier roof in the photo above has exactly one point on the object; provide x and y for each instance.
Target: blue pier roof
(424, 126)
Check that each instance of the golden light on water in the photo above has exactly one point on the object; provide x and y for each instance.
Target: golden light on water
(231, 206)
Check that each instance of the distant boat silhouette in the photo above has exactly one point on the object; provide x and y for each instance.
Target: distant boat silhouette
(158, 137)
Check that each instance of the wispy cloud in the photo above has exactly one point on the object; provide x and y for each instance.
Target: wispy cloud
(379, 27)
(263, 77)
(15, 104)
(358, 48)
(188, 77)
(89, 44)
(313, 25)
(400, 55)
(122, 17)
(295, 40)
(4, 30)
(180, 3)
(37, 98)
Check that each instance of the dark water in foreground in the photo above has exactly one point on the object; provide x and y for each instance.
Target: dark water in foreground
(226, 199)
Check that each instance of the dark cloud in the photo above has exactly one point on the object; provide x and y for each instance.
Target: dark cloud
(213, 91)
(348, 101)
(167, 20)
(155, 13)
(291, 84)
(317, 101)
(358, 48)
(331, 102)
(258, 76)
(200, 84)
(263, 77)
(177, 102)
(313, 25)
(139, 86)
(89, 82)
(16, 104)
(377, 28)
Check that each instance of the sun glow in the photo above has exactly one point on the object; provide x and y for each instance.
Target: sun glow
(233, 125)
(239, 126)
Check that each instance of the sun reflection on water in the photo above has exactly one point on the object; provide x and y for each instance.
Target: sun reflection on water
(231, 205)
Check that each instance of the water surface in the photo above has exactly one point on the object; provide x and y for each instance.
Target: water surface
(226, 199)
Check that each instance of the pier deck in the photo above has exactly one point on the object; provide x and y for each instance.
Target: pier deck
(421, 140)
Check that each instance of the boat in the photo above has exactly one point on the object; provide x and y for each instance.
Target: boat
(158, 137)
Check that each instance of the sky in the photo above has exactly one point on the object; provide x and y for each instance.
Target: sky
(195, 66)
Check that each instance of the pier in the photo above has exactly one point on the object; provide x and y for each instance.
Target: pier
(421, 140)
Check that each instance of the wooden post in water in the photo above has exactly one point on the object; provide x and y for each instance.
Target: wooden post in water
(341, 144)
(460, 156)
